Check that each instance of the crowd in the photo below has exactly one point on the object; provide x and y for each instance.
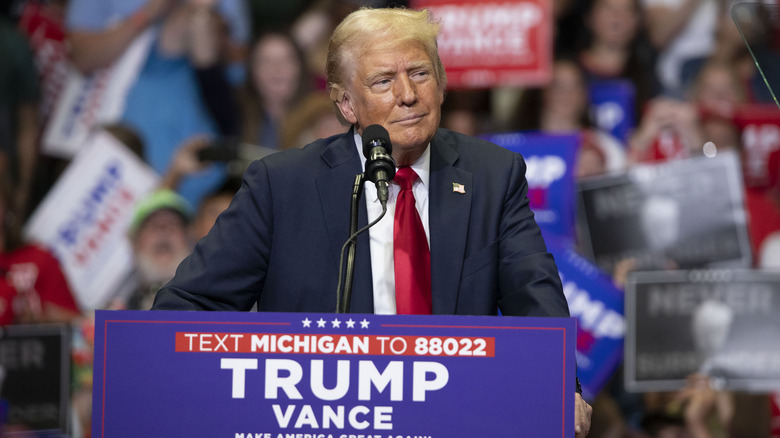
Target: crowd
(247, 76)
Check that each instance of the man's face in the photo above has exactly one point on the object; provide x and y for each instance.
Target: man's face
(394, 85)
(160, 244)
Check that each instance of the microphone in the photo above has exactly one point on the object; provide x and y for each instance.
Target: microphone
(380, 169)
(380, 166)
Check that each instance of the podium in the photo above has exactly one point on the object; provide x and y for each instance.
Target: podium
(303, 375)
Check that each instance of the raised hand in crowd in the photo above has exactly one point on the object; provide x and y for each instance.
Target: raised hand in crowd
(92, 50)
(196, 30)
(707, 411)
(185, 162)
(665, 20)
(622, 269)
(208, 34)
(681, 32)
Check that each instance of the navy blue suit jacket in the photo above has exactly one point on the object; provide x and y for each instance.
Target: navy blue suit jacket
(278, 243)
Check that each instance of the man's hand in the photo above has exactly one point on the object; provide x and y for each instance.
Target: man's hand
(185, 161)
(582, 412)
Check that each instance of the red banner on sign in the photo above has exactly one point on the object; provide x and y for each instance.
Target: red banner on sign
(488, 43)
(457, 346)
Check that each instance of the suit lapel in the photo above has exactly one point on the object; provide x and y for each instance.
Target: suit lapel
(449, 212)
(342, 165)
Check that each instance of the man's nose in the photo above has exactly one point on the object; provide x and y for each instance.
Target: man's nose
(406, 92)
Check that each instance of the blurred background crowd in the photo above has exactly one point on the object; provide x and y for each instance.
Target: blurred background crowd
(225, 81)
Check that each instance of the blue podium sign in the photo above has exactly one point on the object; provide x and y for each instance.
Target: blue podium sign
(280, 375)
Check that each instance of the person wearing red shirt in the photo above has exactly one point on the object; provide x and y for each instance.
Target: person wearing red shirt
(33, 288)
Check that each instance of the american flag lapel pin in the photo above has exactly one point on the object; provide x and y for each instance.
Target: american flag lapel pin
(458, 188)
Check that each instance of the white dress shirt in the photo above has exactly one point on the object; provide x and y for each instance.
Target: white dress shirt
(381, 234)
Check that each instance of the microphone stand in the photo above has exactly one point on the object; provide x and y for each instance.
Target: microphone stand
(345, 297)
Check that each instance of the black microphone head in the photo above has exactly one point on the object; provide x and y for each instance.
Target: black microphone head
(376, 135)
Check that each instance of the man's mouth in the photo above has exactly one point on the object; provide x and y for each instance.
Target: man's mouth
(411, 119)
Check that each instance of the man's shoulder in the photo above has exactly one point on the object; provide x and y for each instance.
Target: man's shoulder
(473, 149)
(332, 148)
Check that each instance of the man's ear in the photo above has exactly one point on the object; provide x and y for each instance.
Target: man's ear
(346, 108)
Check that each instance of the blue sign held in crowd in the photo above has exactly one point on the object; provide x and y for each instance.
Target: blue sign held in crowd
(598, 306)
(551, 161)
(593, 298)
(612, 107)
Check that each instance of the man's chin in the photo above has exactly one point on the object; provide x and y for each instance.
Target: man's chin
(413, 130)
(411, 139)
(409, 150)
(153, 270)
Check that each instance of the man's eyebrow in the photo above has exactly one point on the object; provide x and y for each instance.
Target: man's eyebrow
(420, 64)
(386, 72)
(378, 74)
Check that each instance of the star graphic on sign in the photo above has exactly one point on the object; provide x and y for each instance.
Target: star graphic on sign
(306, 322)
(364, 323)
(321, 323)
(350, 323)
(336, 323)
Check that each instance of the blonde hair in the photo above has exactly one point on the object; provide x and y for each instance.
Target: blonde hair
(366, 24)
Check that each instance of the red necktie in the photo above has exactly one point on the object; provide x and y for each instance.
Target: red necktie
(412, 257)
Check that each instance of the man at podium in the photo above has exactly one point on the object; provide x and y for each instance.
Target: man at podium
(458, 236)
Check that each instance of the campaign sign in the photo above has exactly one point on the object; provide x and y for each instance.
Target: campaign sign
(612, 106)
(87, 101)
(683, 214)
(46, 33)
(35, 377)
(551, 161)
(722, 323)
(598, 306)
(489, 43)
(84, 218)
(250, 374)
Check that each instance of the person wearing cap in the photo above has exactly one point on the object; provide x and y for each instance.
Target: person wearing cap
(160, 240)
(277, 246)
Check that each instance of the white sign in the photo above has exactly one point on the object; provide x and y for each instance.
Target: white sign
(84, 218)
(98, 98)
(718, 322)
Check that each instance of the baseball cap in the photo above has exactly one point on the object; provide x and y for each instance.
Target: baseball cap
(159, 200)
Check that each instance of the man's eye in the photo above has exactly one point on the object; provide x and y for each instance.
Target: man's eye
(381, 85)
(421, 74)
